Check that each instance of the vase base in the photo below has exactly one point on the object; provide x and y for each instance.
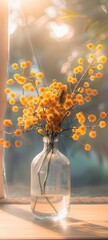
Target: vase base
(51, 217)
(50, 207)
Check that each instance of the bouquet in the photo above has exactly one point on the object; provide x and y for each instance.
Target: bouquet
(46, 108)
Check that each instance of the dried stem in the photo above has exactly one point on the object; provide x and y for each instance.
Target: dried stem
(45, 180)
(49, 148)
(83, 75)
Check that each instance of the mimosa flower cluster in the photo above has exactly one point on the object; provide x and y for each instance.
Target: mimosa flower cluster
(45, 109)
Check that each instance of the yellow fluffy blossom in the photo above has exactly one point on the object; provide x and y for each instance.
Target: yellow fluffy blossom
(12, 101)
(88, 91)
(81, 89)
(90, 71)
(80, 60)
(40, 131)
(12, 94)
(74, 101)
(99, 75)
(18, 132)
(88, 99)
(7, 123)
(99, 47)
(59, 85)
(40, 75)
(76, 70)
(86, 84)
(15, 66)
(23, 65)
(26, 86)
(80, 68)
(102, 59)
(103, 115)
(42, 89)
(37, 82)
(50, 117)
(102, 124)
(94, 92)
(15, 109)
(69, 79)
(1, 141)
(33, 73)
(64, 87)
(23, 99)
(21, 80)
(79, 114)
(31, 89)
(82, 129)
(28, 63)
(10, 81)
(20, 119)
(7, 90)
(79, 97)
(68, 96)
(81, 118)
(74, 80)
(6, 144)
(18, 143)
(90, 46)
(92, 134)
(16, 76)
(92, 77)
(92, 56)
(100, 66)
(87, 147)
(75, 137)
(92, 118)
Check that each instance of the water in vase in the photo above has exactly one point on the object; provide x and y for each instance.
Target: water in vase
(50, 206)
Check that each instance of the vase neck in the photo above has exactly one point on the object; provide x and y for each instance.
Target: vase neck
(50, 143)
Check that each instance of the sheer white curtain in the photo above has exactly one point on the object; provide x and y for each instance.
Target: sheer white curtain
(3, 76)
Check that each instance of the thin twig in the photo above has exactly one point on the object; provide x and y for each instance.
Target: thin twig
(49, 148)
(86, 71)
(45, 180)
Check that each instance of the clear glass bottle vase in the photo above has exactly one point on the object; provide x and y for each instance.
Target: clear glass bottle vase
(50, 183)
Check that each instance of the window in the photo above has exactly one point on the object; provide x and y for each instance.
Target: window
(52, 34)
(3, 76)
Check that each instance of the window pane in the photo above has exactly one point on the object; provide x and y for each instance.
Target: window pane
(53, 38)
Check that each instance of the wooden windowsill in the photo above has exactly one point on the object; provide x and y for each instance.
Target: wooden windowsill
(84, 221)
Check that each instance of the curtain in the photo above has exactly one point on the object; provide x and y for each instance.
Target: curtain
(3, 76)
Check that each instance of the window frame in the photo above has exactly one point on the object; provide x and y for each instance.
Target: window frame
(3, 73)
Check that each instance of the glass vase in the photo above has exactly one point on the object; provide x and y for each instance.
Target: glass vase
(50, 182)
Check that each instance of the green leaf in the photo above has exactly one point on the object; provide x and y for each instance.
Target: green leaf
(87, 25)
(64, 18)
(90, 25)
(62, 97)
(69, 12)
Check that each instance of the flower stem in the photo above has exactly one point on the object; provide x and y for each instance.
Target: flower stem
(48, 150)
(45, 180)
(51, 204)
(42, 186)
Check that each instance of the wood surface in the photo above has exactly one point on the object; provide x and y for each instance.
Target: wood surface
(83, 222)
